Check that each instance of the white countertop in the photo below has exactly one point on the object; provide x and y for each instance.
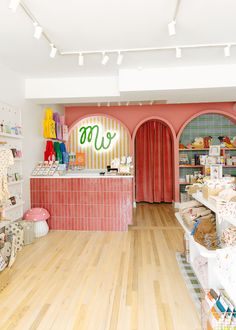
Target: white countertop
(88, 174)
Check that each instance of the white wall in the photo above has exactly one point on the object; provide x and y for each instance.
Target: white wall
(33, 143)
(12, 91)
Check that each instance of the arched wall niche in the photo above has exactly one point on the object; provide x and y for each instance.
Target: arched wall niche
(205, 123)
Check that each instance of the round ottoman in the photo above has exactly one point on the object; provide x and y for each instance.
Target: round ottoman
(39, 216)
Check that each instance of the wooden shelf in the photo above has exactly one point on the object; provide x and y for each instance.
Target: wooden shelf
(185, 183)
(233, 166)
(14, 136)
(194, 166)
(204, 149)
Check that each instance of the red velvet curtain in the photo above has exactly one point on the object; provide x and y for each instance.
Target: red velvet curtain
(154, 163)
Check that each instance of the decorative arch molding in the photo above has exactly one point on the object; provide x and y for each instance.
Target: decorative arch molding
(198, 114)
(175, 149)
(205, 112)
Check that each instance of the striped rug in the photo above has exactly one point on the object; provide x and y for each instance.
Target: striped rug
(190, 279)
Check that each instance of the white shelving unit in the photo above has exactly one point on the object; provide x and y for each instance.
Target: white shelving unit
(7, 135)
(215, 278)
(15, 182)
(11, 116)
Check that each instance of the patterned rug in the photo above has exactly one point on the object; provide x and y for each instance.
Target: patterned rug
(190, 279)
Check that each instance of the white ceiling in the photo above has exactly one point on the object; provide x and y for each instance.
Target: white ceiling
(114, 24)
(76, 25)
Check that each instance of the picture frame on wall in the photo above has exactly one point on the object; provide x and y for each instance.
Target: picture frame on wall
(216, 172)
(214, 150)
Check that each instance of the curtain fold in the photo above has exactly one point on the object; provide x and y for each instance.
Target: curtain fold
(154, 163)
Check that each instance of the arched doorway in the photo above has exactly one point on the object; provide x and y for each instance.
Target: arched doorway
(154, 162)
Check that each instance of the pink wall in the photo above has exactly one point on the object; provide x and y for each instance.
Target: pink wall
(131, 116)
(175, 115)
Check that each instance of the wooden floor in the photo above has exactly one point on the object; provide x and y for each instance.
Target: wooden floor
(102, 281)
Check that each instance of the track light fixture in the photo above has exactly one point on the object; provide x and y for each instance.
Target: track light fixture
(171, 28)
(105, 58)
(81, 59)
(178, 52)
(38, 30)
(119, 58)
(227, 50)
(13, 5)
(53, 51)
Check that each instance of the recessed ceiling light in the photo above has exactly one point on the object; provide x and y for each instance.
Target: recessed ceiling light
(119, 58)
(38, 30)
(171, 28)
(13, 5)
(105, 59)
(81, 59)
(53, 51)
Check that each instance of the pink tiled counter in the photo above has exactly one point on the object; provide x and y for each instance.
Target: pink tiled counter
(103, 204)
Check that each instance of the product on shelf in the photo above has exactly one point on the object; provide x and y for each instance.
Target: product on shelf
(218, 312)
(49, 131)
(45, 168)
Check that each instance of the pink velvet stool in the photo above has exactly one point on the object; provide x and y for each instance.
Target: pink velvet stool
(39, 216)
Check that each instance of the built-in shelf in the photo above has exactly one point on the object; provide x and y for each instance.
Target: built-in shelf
(185, 183)
(15, 182)
(204, 149)
(189, 165)
(8, 208)
(14, 136)
(229, 166)
(194, 149)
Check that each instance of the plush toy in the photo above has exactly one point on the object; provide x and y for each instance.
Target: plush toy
(189, 146)
(225, 142)
(207, 141)
(198, 143)
(182, 146)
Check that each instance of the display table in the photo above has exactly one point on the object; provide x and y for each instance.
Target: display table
(84, 202)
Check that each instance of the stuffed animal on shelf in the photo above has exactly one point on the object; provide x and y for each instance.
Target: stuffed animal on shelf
(225, 142)
(182, 146)
(189, 146)
(207, 141)
(198, 143)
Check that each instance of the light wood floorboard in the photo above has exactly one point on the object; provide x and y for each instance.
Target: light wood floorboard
(102, 281)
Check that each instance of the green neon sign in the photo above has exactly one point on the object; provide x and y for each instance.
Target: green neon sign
(93, 133)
